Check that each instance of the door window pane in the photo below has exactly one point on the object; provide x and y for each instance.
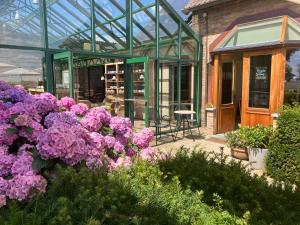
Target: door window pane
(292, 77)
(260, 77)
(227, 75)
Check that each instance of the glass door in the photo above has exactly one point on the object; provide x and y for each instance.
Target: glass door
(137, 92)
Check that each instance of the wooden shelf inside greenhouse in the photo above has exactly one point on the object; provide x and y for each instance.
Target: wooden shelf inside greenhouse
(114, 79)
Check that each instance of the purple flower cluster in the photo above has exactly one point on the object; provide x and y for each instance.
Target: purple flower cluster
(143, 139)
(80, 109)
(95, 118)
(66, 103)
(39, 127)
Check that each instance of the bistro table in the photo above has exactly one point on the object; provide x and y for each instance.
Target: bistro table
(183, 114)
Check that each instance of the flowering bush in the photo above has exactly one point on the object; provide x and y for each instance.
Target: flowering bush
(39, 131)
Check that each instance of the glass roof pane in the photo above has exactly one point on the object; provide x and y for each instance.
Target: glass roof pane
(293, 31)
(168, 35)
(20, 23)
(189, 47)
(266, 31)
(70, 25)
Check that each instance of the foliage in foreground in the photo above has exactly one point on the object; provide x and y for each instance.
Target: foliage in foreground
(283, 161)
(239, 191)
(137, 196)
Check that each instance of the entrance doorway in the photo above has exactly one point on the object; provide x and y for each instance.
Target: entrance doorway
(229, 92)
(137, 92)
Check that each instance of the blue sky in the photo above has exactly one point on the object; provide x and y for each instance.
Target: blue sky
(178, 5)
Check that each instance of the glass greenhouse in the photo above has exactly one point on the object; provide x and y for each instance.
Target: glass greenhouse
(137, 55)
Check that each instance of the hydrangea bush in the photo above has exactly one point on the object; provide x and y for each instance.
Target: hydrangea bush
(39, 131)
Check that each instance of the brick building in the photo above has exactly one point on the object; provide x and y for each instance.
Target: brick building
(251, 59)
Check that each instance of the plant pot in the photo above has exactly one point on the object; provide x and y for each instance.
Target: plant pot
(257, 158)
(239, 153)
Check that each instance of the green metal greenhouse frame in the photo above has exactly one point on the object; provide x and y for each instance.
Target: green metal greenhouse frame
(118, 29)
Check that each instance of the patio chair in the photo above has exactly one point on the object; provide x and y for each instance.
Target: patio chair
(164, 122)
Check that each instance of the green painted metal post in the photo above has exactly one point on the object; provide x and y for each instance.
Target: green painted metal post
(146, 68)
(49, 79)
(199, 81)
(71, 80)
(179, 64)
(93, 28)
(129, 29)
(157, 63)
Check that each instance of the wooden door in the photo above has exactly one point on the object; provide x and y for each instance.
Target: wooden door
(226, 84)
(263, 76)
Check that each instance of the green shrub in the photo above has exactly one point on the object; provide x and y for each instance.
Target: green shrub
(249, 137)
(283, 161)
(135, 197)
(239, 192)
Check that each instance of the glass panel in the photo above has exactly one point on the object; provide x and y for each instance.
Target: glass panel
(293, 31)
(227, 78)
(69, 25)
(168, 35)
(20, 23)
(265, 31)
(111, 25)
(61, 78)
(22, 67)
(292, 76)
(260, 78)
(189, 47)
(139, 95)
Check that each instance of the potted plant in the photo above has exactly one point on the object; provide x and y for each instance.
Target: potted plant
(236, 141)
(257, 141)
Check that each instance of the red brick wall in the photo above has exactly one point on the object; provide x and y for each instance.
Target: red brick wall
(219, 18)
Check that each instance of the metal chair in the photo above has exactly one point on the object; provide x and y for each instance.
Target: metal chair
(164, 122)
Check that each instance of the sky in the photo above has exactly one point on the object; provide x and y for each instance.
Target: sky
(179, 5)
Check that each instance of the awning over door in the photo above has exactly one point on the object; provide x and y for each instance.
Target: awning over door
(266, 32)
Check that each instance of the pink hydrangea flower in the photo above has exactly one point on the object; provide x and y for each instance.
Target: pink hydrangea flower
(6, 162)
(22, 187)
(66, 103)
(80, 109)
(121, 162)
(121, 126)
(143, 139)
(148, 154)
(22, 163)
(95, 118)
(8, 134)
(2, 200)
(32, 131)
(109, 141)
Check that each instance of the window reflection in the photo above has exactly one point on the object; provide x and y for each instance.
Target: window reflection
(292, 77)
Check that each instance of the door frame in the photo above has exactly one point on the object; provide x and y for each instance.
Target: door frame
(129, 86)
(220, 106)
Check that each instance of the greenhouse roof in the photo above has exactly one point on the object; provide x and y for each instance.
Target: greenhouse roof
(97, 26)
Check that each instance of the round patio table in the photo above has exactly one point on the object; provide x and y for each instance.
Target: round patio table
(182, 119)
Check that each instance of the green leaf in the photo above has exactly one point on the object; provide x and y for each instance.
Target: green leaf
(38, 164)
(11, 131)
(29, 130)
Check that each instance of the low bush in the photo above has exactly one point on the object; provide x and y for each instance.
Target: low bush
(283, 161)
(77, 196)
(249, 137)
(239, 192)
